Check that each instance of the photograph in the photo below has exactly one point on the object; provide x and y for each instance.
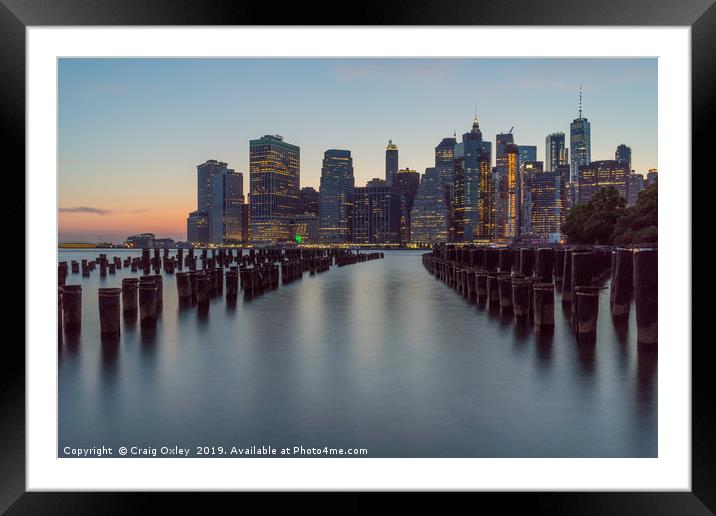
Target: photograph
(357, 257)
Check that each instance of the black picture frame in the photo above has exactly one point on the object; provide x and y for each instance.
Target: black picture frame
(700, 15)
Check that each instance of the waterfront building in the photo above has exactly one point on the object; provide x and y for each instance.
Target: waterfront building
(445, 166)
(636, 185)
(545, 210)
(510, 194)
(563, 195)
(197, 227)
(407, 182)
(580, 142)
(556, 153)
(651, 177)
(309, 200)
(473, 197)
(500, 181)
(391, 162)
(430, 216)
(204, 172)
(623, 155)
(376, 213)
(305, 227)
(274, 167)
(164, 243)
(140, 241)
(227, 197)
(336, 197)
(527, 171)
(601, 174)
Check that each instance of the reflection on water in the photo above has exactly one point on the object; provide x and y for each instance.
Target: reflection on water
(377, 355)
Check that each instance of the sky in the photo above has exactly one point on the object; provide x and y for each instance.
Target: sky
(132, 131)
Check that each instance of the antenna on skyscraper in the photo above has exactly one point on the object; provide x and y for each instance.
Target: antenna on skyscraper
(580, 100)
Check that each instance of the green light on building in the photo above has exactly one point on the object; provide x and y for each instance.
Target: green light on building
(298, 239)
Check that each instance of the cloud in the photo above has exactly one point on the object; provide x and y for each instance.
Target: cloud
(97, 211)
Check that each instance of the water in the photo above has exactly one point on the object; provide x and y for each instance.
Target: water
(377, 355)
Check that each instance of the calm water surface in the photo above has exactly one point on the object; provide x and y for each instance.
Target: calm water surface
(377, 355)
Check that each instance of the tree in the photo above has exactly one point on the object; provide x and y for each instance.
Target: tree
(639, 224)
(594, 222)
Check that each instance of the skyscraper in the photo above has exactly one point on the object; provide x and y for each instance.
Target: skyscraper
(555, 151)
(445, 166)
(526, 153)
(274, 188)
(197, 227)
(636, 185)
(651, 176)
(309, 200)
(528, 170)
(429, 218)
(227, 197)
(510, 194)
(601, 174)
(203, 189)
(502, 140)
(623, 155)
(376, 215)
(545, 210)
(580, 142)
(336, 197)
(391, 162)
(563, 194)
(220, 196)
(407, 182)
(473, 204)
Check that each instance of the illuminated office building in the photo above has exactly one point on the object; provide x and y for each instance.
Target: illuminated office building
(527, 171)
(563, 194)
(510, 194)
(500, 181)
(429, 218)
(407, 182)
(651, 177)
(545, 210)
(376, 213)
(309, 200)
(274, 167)
(473, 197)
(391, 162)
(445, 166)
(336, 197)
(580, 142)
(601, 174)
(305, 226)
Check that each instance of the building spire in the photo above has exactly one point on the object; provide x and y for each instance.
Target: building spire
(475, 124)
(580, 100)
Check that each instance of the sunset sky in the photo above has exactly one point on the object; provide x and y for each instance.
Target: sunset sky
(131, 131)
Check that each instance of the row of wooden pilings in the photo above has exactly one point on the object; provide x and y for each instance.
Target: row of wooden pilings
(523, 280)
(256, 272)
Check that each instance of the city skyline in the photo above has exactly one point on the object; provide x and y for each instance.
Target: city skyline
(121, 173)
